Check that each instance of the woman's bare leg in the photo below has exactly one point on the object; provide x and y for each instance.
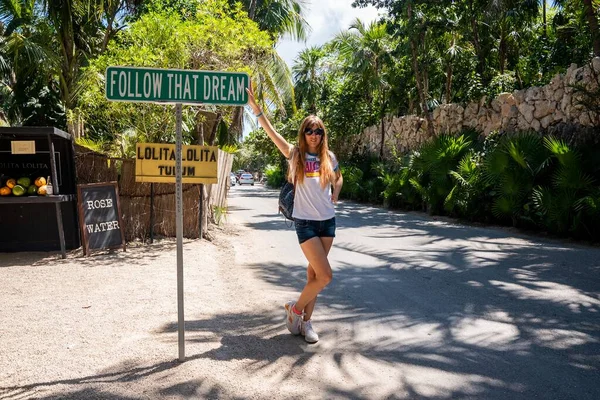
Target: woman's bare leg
(311, 275)
(315, 250)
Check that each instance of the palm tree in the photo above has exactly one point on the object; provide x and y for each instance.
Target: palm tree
(450, 47)
(367, 51)
(590, 10)
(272, 78)
(510, 16)
(306, 73)
(273, 88)
(416, 36)
(544, 21)
(80, 33)
(279, 17)
(26, 60)
(473, 14)
(17, 33)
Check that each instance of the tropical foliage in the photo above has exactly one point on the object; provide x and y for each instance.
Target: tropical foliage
(164, 40)
(522, 180)
(417, 55)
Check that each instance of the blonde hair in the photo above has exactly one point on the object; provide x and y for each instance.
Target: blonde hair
(298, 156)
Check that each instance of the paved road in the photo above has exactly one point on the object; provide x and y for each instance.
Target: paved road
(422, 308)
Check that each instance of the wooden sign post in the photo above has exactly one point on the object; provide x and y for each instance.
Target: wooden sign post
(100, 216)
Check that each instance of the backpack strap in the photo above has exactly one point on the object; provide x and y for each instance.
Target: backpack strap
(292, 163)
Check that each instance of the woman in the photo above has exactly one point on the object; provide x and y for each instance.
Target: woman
(314, 170)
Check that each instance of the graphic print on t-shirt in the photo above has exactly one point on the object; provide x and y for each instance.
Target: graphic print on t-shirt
(312, 167)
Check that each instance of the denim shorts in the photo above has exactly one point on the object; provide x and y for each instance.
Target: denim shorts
(308, 229)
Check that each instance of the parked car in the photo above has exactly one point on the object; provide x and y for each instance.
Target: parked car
(239, 173)
(246, 178)
(232, 179)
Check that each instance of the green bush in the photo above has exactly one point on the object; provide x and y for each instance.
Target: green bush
(512, 168)
(353, 181)
(275, 176)
(360, 179)
(397, 190)
(568, 201)
(470, 196)
(522, 179)
(432, 166)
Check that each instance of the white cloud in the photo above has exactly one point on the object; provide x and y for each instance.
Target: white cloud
(327, 18)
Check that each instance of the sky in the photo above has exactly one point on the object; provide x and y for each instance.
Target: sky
(326, 18)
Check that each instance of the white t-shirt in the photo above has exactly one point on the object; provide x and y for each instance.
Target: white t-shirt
(311, 201)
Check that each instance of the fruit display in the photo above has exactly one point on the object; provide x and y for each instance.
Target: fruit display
(23, 186)
(19, 190)
(41, 181)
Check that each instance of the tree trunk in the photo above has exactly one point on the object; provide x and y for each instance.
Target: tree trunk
(237, 123)
(502, 54)
(252, 9)
(205, 124)
(422, 96)
(477, 44)
(213, 132)
(519, 79)
(199, 128)
(544, 18)
(449, 83)
(205, 210)
(590, 14)
(108, 32)
(382, 124)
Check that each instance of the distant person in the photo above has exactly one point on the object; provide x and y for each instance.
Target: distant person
(314, 170)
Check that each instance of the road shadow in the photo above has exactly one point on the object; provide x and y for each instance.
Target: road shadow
(121, 373)
(519, 315)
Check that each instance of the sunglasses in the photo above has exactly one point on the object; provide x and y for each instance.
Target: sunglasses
(310, 132)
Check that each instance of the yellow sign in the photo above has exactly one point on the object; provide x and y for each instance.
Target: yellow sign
(22, 146)
(155, 162)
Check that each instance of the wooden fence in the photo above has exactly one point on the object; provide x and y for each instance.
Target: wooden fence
(136, 197)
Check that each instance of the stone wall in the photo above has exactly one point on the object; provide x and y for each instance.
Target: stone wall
(540, 109)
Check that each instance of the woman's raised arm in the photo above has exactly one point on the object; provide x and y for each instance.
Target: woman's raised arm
(279, 141)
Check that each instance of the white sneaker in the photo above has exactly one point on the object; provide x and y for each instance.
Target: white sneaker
(293, 321)
(308, 332)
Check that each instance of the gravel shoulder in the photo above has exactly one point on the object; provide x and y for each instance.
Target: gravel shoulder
(105, 326)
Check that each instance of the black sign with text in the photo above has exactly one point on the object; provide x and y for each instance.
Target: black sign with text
(100, 216)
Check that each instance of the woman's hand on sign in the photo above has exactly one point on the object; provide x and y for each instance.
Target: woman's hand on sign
(252, 100)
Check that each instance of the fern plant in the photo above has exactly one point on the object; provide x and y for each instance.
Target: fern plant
(564, 205)
(353, 177)
(468, 197)
(511, 169)
(432, 166)
(394, 187)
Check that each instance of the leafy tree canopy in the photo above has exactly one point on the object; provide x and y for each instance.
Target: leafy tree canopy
(217, 37)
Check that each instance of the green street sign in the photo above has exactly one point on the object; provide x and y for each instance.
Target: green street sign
(176, 86)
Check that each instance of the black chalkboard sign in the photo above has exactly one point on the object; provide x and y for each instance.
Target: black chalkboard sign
(100, 216)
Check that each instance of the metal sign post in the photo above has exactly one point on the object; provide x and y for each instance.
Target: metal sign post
(179, 230)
